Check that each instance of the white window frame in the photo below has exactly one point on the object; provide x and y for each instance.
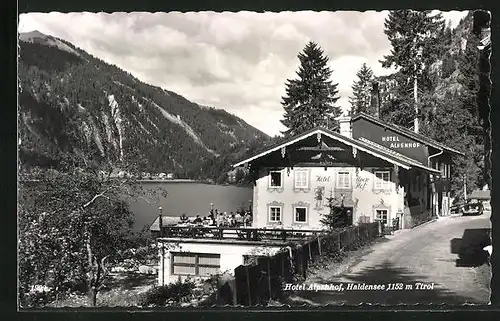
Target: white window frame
(295, 214)
(348, 180)
(381, 218)
(385, 185)
(270, 179)
(297, 174)
(271, 207)
(196, 265)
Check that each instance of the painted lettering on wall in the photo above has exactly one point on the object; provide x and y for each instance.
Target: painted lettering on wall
(405, 145)
(319, 192)
(361, 182)
(390, 138)
(322, 179)
(396, 144)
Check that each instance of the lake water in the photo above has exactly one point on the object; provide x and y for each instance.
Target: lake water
(187, 197)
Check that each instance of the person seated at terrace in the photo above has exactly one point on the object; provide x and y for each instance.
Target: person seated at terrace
(238, 218)
(219, 220)
(247, 219)
(226, 220)
(211, 219)
(198, 220)
(184, 218)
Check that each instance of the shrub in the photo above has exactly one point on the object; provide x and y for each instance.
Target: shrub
(34, 299)
(176, 292)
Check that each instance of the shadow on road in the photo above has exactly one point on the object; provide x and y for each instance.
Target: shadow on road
(470, 247)
(386, 274)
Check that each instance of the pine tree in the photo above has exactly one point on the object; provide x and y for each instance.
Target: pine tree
(336, 216)
(361, 90)
(415, 37)
(454, 120)
(310, 99)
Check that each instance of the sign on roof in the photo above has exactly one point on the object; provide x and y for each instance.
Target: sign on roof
(390, 139)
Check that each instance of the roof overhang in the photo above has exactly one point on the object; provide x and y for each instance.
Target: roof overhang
(403, 158)
(345, 140)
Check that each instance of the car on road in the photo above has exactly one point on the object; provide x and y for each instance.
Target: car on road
(472, 208)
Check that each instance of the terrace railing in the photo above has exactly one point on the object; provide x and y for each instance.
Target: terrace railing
(236, 233)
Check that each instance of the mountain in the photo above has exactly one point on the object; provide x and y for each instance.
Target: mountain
(446, 76)
(74, 107)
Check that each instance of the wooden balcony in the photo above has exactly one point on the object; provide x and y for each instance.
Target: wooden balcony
(247, 234)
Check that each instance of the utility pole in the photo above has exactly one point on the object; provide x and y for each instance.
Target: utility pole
(465, 187)
(416, 70)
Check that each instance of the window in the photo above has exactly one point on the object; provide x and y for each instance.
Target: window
(275, 214)
(382, 215)
(344, 180)
(301, 178)
(300, 214)
(382, 180)
(275, 179)
(197, 264)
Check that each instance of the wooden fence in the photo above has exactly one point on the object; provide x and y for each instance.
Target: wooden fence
(263, 280)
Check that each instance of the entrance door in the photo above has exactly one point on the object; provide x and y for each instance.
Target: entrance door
(349, 217)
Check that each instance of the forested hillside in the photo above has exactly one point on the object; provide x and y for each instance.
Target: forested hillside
(76, 108)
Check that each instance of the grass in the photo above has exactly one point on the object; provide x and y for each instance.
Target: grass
(122, 290)
(340, 263)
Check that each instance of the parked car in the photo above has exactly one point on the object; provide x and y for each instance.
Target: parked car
(472, 208)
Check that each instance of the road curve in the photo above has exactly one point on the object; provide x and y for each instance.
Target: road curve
(423, 255)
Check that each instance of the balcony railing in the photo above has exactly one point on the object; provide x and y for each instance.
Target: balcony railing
(235, 233)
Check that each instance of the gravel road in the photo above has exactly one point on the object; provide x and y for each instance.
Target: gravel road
(421, 255)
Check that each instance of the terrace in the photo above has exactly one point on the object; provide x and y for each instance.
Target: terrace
(251, 235)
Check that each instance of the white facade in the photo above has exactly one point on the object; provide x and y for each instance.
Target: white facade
(219, 257)
(369, 192)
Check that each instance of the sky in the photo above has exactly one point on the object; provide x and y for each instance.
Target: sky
(234, 61)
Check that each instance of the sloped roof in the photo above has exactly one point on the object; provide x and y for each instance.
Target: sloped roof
(365, 146)
(408, 133)
(407, 159)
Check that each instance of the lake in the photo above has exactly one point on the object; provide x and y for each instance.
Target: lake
(187, 197)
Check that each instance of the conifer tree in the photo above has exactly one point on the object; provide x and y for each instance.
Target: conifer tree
(415, 37)
(310, 99)
(336, 214)
(361, 90)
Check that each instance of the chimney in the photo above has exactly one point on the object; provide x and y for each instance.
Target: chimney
(160, 220)
(375, 100)
(345, 125)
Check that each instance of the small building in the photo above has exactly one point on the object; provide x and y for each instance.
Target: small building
(205, 257)
(201, 251)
